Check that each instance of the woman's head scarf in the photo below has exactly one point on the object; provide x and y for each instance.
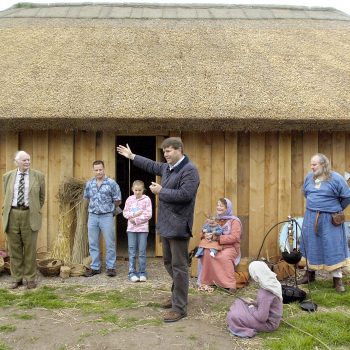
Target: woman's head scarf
(261, 273)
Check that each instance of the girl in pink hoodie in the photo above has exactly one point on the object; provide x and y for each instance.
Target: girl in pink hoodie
(138, 211)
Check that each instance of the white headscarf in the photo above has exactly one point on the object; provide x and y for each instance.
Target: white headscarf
(261, 273)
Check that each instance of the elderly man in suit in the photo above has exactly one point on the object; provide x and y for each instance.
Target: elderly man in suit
(24, 196)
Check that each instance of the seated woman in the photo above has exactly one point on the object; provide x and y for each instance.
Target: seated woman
(220, 271)
(246, 316)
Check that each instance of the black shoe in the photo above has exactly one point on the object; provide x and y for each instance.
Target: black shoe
(111, 272)
(91, 272)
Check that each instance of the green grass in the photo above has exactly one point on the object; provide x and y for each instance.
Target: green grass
(330, 326)
(3, 346)
(324, 294)
(24, 316)
(129, 322)
(96, 302)
(7, 328)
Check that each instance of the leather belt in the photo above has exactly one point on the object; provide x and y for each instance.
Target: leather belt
(20, 208)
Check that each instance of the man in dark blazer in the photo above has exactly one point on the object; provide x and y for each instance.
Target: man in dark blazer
(177, 195)
(24, 196)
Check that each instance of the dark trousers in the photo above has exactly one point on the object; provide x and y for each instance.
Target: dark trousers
(175, 256)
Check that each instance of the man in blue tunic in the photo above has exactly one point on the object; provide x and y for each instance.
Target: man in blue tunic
(324, 244)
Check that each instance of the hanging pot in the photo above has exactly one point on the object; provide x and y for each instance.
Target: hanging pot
(291, 258)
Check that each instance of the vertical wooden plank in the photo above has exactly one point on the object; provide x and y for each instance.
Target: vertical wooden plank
(297, 195)
(40, 161)
(26, 143)
(190, 148)
(9, 146)
(284, 176)
(201, 157)
(271, 195)
(347, 166)
(347, 152)
(256, 193)
(325, 143)
(339, 157)
(61, 145)
(310, 146)
(3, 170)
(338, 152)
(84, 154)
(217, 164)
(231, 168)
(159, 155)
(105, 150)
(243, 175)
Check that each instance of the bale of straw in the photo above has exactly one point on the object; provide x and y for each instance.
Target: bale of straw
(70, 195)
(81, 242)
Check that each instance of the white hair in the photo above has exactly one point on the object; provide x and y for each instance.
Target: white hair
(19, 153)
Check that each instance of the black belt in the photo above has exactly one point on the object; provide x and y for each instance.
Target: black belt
(110, 212)
(20, 208)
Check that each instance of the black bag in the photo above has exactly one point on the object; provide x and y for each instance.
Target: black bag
(292, 294)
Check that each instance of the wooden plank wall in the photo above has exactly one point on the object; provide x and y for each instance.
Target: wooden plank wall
(58, 154)
(261, 173)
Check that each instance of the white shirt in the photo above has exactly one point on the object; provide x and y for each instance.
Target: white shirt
(26, 188)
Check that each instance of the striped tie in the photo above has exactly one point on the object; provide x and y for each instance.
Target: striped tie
(20, 197)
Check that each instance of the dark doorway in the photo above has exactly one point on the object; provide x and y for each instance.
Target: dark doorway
(144, 146)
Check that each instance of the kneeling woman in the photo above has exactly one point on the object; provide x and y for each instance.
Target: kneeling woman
(246, 316)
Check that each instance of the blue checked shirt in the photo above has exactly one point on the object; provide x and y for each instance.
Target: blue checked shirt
(102, 199)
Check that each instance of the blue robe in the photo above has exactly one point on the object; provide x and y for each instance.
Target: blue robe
(327, 248)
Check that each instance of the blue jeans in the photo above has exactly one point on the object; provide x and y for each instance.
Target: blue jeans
(137, 241)
(104, 223)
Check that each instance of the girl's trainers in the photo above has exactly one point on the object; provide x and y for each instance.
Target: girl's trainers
(143, 278)
(134, 278)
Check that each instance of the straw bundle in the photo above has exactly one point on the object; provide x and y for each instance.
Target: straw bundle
(70, 195)
(81, 243)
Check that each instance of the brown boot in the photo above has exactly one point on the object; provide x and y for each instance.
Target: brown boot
(308, 277)
(338, 284)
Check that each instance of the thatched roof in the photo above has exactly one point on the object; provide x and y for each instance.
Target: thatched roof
(138, 67)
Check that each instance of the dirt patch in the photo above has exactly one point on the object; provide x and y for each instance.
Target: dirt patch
(136, 327)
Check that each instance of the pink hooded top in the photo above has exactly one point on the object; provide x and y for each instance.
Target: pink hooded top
(132, 206)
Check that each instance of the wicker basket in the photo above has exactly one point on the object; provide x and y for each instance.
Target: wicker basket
(50, 267)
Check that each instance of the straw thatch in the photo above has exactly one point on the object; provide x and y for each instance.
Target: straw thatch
(166, 74)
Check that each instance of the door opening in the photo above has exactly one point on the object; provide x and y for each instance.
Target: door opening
(144, 146)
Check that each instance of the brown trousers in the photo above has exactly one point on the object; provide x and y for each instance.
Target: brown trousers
(22, 246)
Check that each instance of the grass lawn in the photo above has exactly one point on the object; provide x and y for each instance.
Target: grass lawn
(328, 328)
